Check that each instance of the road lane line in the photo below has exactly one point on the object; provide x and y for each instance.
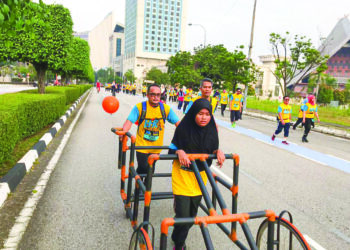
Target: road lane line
(313, 243)
(311, 159)
(26, 213)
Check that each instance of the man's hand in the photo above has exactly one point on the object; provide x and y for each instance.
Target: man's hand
(304, 121)
(183, 158)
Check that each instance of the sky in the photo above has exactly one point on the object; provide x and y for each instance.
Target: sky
(228, 22)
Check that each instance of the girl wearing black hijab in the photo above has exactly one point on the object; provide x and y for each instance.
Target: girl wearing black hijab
(195, 134)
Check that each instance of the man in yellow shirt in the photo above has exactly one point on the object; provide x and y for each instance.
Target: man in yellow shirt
(236, 107)
(310, 110)
(206, 88)
(223, 101)
(151, 116)
(284, 117)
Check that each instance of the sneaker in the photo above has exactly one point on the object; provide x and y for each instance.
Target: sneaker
(294, 128)
(183, 247)
(285, 142)
(233, 125)
(273, 137)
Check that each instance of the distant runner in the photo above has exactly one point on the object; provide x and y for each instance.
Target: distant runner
(223, 101)
(309, 112)
(284, 117)
(236, 104)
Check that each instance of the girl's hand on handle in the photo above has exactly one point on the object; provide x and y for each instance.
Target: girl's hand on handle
(183, 158)
(221, 157)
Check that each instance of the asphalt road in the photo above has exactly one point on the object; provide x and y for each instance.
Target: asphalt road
(82, 209)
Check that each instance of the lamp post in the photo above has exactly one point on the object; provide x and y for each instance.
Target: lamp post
(250, 53)
(205, 32)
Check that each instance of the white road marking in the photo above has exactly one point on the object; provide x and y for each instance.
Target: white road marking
(322, 163)
(224, 176)
(338, 158)
(269, 143)
(313, 243)
(26, 213)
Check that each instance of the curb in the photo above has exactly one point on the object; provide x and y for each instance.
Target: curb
(320, 129)
(11, 180)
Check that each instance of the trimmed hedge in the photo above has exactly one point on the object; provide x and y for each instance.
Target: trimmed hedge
(25, 113)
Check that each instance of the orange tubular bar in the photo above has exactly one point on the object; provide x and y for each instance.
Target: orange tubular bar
(133, 139)
(212, 212)
(271, 216)
(222, 219)
(233, 236)
(166, 223)
(234, 190)
(134, 223)
(152, 158)
(201, 157)
(236, 158)
(123, 194)
(123, 175)
(125, 146)
(148, 196)
(225, 211)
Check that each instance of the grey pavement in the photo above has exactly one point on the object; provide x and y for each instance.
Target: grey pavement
(82, 209)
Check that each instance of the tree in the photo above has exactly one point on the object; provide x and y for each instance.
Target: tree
(325, 94)
(294, 58)
(237, 69)
(339, 95)
(181, 69)
(129, 75)
(46, 47)
(78, 61)
(208, 61)
(106, 75)
(157, 76)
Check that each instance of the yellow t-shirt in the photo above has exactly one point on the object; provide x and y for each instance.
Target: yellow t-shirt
(286, 110)
(188, 95)
(151, 131)
(311, 109)
(144, 89)
(184, 182)
(224, 98)
(213, 102)
(236, 101)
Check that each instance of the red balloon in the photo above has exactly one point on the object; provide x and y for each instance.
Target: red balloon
(110, 104)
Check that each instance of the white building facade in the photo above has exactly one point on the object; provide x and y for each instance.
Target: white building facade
(154, 31)
(268, 85)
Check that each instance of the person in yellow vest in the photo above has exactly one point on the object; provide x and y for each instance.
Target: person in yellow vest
(151, 116)
(236, 107)
(133, 88)
(127, 88)
(284, 117)
(144, 90)
(309, 112)
(300, 115)
(124, 87)
(188, 98)
(171, 94)
(206, 88)
(223, 101)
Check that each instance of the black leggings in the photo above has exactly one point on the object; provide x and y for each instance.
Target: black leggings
(307, 126)
(223, 107)
(184, 206)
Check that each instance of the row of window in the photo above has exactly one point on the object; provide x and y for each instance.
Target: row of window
(157, 49)
(160, 10)
(166, 2)
(153, 32)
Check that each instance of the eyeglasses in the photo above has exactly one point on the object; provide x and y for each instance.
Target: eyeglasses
(154, 95)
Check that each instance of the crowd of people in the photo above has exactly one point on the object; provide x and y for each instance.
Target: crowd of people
(197, 132)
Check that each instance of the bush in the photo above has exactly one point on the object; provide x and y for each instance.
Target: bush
(325, 94)
(25, 113)
(339, 96)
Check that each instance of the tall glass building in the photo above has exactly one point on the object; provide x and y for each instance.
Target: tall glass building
(154, 30)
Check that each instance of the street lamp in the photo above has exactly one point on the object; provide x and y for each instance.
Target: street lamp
(205, 32)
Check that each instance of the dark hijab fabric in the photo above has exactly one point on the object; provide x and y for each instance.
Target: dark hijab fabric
(194, 139)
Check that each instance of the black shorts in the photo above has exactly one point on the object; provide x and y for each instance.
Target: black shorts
(235, 115)
(142, 162)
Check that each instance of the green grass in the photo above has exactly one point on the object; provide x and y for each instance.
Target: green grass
(327, 114)
(20, 150)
